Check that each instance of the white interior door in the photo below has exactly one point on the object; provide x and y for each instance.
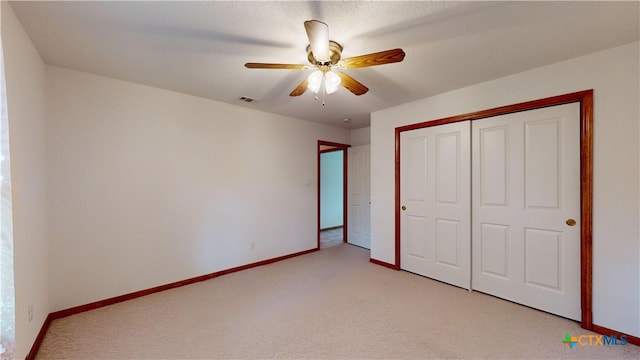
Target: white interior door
(359, 189)
(435, 197)
(526, 188)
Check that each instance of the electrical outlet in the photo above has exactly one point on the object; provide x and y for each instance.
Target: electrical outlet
(30, 312)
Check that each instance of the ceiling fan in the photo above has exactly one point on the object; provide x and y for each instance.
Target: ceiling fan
(325, 56)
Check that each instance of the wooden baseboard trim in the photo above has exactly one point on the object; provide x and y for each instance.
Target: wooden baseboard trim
(114, 300)
(137, 294)
(385, 264)
(39, 338)
(608, 332)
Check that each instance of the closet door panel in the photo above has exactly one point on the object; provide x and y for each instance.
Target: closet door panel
(493, 156)
(435, 195)
(526, 187)
(494, 250)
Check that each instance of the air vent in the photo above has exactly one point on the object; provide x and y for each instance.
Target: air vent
(246, 99)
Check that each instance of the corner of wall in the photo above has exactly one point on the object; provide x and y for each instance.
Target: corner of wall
(361, 136)
(25, 82)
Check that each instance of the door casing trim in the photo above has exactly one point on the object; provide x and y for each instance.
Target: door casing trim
(328, 146)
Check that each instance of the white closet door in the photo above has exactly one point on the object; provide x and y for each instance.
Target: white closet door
(435, 184)
(359, 189)
(526, 190)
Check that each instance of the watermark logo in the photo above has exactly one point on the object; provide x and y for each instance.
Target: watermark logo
(569, 340)
(593, 340)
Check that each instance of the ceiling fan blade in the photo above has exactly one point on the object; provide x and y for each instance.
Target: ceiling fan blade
(318, 34)
(352, 84)
(379, 58)
(300, 89)
(276, 66)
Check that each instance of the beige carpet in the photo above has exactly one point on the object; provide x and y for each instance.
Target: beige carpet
(331, 304)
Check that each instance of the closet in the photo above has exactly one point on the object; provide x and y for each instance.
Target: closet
(494, 205)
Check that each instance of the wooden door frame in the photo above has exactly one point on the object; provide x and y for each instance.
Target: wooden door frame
(328, 146)
(585, 99)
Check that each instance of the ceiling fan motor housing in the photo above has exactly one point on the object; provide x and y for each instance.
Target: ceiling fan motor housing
(335, 53)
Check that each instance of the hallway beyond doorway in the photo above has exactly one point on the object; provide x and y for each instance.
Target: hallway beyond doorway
(331, 237)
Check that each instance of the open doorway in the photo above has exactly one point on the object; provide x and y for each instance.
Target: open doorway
(332, 193)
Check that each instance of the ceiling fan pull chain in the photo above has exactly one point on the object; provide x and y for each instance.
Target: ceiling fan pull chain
(324, 91)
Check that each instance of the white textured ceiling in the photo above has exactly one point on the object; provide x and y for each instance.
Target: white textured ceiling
(200, 48)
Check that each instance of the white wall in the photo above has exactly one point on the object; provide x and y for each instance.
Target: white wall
(614, 76)
(149, 187)
(25, 100)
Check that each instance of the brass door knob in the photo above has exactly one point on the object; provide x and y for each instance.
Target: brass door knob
(571, 222)
(403, 208)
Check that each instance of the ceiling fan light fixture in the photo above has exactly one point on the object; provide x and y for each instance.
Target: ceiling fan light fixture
(331, 82)
(330, 79)
(315, 81)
